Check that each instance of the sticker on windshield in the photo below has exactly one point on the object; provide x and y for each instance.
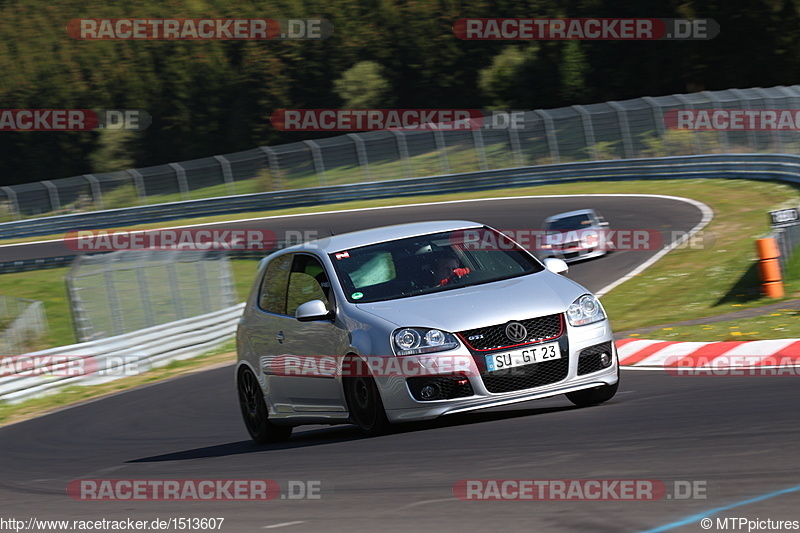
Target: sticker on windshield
(357, 295)
(342, 255)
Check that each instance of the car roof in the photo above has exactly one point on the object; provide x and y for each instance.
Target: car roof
(355, 239)
(571, 214)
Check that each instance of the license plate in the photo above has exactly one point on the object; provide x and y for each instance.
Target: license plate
(539, 353)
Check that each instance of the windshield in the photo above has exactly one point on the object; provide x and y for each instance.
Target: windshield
(568, 223)
(430, 263)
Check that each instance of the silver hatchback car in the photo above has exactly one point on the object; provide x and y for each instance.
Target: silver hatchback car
(575, 235)
(412, 322)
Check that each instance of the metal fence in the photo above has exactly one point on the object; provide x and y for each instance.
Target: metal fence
(788, 239)
(613, 130)
(22, 321)
(117, 357)
(115, 293)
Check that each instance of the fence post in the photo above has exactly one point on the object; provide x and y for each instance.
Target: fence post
(442, 149)
(516, 147)
(480, 149)
(97, 192)
(200, 272)
(658, 118)
(82, 331)
(183, 185)
(550, 131)
(139, 182)
(228, 291)
(777, 143)
(751, 135)
(361, 152)
(227, 173)
(693, 133)
(144, 296)
(12, 198)
(274, 166)
(174, 283)
(55, 201)
(588, 131)
(113, 303)
(402, 149)
(319, 165)
(722, 134)
(625, 129)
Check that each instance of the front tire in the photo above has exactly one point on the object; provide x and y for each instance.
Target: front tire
(365, 405)
(254, 411)
(594, 396)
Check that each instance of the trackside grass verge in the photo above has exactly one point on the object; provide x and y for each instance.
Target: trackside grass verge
(783, 323)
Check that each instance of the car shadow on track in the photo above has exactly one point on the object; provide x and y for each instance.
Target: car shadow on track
(344, 433)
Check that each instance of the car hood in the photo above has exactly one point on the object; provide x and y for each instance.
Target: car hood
(540, 294)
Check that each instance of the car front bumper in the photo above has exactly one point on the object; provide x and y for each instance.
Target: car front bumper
(401, 406)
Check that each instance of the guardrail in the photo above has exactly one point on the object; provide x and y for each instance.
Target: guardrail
(26, 376)
(752, 166)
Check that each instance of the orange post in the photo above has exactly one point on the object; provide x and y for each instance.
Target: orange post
(769, 270)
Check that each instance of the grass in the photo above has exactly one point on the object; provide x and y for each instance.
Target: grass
(784, 323)
(719, 278)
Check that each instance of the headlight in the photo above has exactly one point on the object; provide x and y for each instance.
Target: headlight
(585, 310)
(412, 341)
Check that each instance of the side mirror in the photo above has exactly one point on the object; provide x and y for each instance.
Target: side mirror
(554, 265)
(313, 310)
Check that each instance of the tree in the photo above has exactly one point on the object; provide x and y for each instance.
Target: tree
(363, 86)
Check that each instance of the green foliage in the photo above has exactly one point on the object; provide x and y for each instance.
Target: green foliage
(113, 151)
(499, 82)
(363, 86)
(123, 196)
(216, 97)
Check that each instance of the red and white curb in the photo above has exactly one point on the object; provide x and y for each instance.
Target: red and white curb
(641, 353)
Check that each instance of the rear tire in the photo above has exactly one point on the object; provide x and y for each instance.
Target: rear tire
(365, 404)
(254, 411)
(594, 396)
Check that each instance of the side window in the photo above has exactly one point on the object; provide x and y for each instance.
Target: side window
(272, 295)
(307, 281)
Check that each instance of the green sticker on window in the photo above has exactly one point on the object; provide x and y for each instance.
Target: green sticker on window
(357, 295)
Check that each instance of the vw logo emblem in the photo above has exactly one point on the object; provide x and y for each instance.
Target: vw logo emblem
(516, 332)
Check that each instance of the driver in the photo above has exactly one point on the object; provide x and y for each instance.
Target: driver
(447, 269)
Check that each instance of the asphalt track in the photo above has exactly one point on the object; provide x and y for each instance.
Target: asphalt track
(521, 215)
(737, 437)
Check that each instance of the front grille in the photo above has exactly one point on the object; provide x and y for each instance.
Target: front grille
(494, 337)
(528, 376)
(589, 359)
(448, 385)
